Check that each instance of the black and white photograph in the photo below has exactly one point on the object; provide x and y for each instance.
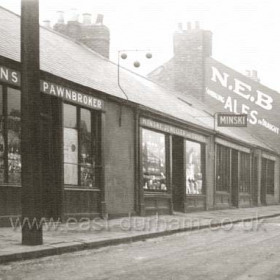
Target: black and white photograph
(139, 139)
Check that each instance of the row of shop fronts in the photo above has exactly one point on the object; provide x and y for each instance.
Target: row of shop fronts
(117, 144)
(106, 156)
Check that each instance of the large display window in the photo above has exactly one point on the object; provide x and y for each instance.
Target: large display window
(194, 167)
(10, 135)
(154, 160)
(80, 135)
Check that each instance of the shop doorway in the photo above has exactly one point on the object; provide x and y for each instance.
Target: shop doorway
(234, 178)
(51, 157)
(178, 174)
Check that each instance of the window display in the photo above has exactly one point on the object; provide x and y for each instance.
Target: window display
(79, 140)
(86, 154)
(194, 176)
(153, 160)
(10, 134)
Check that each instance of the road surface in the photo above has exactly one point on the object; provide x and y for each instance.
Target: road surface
(244, 251)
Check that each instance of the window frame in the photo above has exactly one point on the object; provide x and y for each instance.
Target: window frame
(202, 165)
(167, 164)
(269, 188)
(245, 174)
(4, 121)
(227, 167)
(95, 126)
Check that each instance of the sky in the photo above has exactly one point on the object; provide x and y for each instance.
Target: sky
(245, 32)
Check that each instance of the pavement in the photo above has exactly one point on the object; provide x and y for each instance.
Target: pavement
(75, 235)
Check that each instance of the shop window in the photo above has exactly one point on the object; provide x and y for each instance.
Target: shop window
(154, 160)
(245, 181)
(268, 175)
(223, 168)
(79, 146)
(194, 168)
(10, 134)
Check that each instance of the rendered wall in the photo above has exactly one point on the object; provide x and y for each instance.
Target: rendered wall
(119, 142)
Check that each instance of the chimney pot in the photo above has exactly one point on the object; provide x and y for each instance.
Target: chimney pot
(87, 19)
(60, 17)
(47, 23)
(74, 15)
(99, 19)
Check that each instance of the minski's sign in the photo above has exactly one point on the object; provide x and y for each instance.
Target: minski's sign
(231, 120)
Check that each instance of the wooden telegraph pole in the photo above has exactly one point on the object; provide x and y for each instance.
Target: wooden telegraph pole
(32, 233)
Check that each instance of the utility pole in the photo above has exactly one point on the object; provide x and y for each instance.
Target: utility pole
(32, 233)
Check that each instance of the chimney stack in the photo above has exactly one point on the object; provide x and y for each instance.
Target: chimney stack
(99, 19)
(86, 19)
(96, 35)
(191, 48)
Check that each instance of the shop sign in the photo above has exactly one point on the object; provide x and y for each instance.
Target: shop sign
(13, 77)
(72, 96)
(232, 120)
(172, 130)
(231, 92)
(9, 76)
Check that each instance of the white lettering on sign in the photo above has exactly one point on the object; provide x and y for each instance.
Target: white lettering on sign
(9, 76)
(172, 130)
(242, 89)
(232, 120)
(71, 95)
(258, 99)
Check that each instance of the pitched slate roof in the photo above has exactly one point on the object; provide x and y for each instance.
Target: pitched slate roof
(73, 61)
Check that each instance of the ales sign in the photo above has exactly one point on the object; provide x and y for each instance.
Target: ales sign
(229, 91)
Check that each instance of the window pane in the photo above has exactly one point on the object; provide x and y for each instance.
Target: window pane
(223, 168)
(1, 137)
(270, 177)
(14, 131)
(244, 184)
(69, 116)
(194, 176)
(154, 161)
(70, 156)
(86, 155)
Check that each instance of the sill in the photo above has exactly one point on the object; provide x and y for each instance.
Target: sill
(10, 185)
(80, 188)
(195, 195)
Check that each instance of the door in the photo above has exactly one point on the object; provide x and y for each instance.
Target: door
(234, 178)
(178, 174)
